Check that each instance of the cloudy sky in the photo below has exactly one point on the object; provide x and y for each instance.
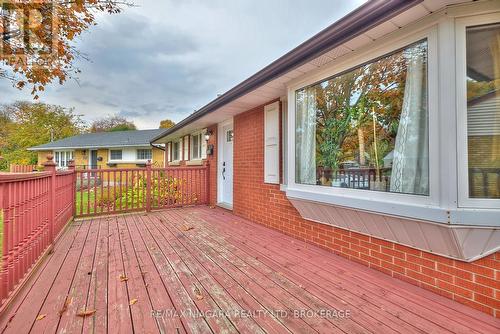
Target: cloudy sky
(164, 59)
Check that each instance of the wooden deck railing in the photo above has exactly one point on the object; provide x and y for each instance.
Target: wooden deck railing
(118, 190)
(35, 207)
(22, 168)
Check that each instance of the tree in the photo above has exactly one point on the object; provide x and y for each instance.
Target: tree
(36, 38)
(112, 123)
(167, 124)
(26, 124)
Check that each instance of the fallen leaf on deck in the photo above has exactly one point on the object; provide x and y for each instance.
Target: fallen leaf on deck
(197, 293)
(67, 302)
(123, 278)
(187, 228)
(133, 301)
(212, 206)
(85, 313)
(41, 316)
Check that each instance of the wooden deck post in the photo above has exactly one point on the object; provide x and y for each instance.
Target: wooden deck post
(50, 166)
(148, 186)
(72, 167)
(5, 190)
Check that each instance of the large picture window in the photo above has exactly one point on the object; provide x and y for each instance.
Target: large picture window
(367, 128)
(483, 110)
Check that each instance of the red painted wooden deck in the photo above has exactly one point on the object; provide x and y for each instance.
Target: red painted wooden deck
(205, 270)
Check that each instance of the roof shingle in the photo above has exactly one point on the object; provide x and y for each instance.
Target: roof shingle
(103, 140)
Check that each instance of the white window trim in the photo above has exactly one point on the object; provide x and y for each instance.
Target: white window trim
(461, 101)
(284, 143)
(442, 204)
(65, 152)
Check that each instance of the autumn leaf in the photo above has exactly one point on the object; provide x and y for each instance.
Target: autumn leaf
(187, 228)
(41, 316)
(123, 278)
(133, 301)
(85, 313)
(67, 302)
(197, 293)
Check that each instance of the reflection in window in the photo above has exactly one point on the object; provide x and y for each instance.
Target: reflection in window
(367, 128)
(483, 110)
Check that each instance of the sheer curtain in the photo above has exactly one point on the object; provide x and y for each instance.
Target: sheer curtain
(306, 137)
(410, 168)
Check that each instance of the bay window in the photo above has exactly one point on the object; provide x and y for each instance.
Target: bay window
(368, 127)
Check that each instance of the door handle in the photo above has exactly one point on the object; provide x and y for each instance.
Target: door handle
(224, 173)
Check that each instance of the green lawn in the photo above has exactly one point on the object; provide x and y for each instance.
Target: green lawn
(82, 198)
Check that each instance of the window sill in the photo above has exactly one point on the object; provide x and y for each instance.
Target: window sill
(462, 234)
(430, 213)
(174, 163)
(197, 162)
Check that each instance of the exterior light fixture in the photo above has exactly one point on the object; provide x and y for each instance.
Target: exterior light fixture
(208, 134)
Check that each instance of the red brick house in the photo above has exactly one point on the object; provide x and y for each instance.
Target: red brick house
(359, 141)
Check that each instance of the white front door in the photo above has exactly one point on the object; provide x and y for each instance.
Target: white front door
(226, 164)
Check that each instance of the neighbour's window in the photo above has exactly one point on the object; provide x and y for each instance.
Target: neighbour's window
(367, 128)
(196, 146)
(116, 154)
(63, 158)
(176, 152)
(144, 154)
(483, 110)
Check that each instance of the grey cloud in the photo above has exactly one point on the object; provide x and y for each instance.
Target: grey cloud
(166, 58)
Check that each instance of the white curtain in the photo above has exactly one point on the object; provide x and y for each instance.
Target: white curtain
(306, 137)
(410, 169)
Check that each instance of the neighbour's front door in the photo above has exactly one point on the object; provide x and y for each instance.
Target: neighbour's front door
(226, 165)
(93, 159)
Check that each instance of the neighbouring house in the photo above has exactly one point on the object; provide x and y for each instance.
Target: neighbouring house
(393, 79)
(103, 150)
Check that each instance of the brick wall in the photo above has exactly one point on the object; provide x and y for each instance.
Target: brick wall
(475, 284)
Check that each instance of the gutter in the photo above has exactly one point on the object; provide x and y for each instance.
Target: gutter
(352, 25)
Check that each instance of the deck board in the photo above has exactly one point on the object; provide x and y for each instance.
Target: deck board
(231, 274)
